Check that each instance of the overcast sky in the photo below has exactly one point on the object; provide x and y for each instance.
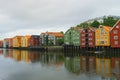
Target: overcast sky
(23, 17)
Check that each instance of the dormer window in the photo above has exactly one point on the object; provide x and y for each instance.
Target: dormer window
(115, 31)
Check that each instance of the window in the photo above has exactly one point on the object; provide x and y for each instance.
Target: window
(102, 31)
(90, 34)
(83, 43)
(83, 34)
(102, 42)
(115, 31)
(90, 38)
(116, 42)
(83, 39)
(115, 37)
(105, 32)
(90, 43)
(117, 26)
(106, 37)
(89, 31)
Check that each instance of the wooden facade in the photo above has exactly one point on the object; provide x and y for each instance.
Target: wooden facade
(72, 37)
(17, 41)
(87, 37)
(51, 38)
(24, 41)
(5, 42)
(10, 43)
(102, 36)
(1, 43)
(34, 41)
(115, 35)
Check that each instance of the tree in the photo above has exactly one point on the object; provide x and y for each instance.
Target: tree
(62, 32)
(60, 41)
(83, 25)
(95, 24)
(109, 21)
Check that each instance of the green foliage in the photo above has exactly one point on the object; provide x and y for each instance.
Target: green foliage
(83, 25)
(95, 24)
(62, 32)
(50, 43)
(109, 21)
(60, 41)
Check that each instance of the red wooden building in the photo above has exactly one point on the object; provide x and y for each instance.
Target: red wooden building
(34, 41)
(1, 43)
(87, 37)
(10, 42)
(115, 35)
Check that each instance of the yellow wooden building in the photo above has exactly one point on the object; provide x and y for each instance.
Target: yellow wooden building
(103, 67)
(24, 41)
(102, 36)
(17, 41)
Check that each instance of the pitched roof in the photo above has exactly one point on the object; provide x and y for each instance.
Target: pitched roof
(116, 24)
(107, 27)
(57, 34)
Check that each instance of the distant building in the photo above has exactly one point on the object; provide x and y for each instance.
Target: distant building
(17, 41)
(6, 43)
(1, 43)
(24, 41)
(115, 35)
(10, 42)
(34, 41)
(51, 38)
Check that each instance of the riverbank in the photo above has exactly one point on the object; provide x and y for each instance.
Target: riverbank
(43, 48)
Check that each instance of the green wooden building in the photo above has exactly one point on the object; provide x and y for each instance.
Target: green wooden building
(72, 36)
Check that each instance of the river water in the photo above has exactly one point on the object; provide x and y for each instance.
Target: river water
(36, 65)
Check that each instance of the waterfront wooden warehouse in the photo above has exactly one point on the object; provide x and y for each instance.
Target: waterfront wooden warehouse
(24, 41)
(87, 38)
(51, 38)
(10, 42)
(72, 36)
(17, 41)
(102, 36)
(34, 41)
(115, 35)
(5, 42)
(1, 43)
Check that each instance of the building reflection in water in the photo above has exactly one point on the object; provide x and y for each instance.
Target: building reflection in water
(5, 52)
(72, 64)
(103, 67)
(107, 67)
(115, 62)
(52, 59)
(17, 55)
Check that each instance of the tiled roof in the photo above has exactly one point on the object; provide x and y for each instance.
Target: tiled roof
(57, 34)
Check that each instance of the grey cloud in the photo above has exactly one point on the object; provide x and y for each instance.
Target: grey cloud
(50, 14)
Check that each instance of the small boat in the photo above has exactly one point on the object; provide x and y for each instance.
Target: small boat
(99, 52)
